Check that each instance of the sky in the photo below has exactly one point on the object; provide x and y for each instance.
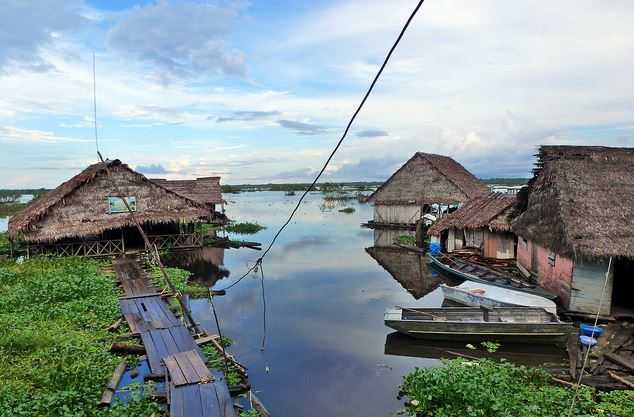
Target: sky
(260, 91)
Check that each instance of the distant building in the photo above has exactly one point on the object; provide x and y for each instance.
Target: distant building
(426, 183)
(86, 215)
(505, 189)
(577, 225)
(482, 223)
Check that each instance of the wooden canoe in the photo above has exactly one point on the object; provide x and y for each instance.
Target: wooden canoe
(503, 324)
(462, 269)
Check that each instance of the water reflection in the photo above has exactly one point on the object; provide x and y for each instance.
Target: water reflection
(205, 264)
(529, 355)
(410, 269)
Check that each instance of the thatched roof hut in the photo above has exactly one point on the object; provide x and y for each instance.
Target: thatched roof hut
(205, 190)
(429, 179)
(83, 205)
(490, 211)
(580, 202)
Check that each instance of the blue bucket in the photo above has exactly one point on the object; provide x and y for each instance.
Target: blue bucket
(434, 248)
(588, 329)
(587, 340)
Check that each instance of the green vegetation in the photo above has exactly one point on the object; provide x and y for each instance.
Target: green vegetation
(244, 228)
(251, 412)
(486, 388)
(505, 181)
(347, 210)
(5, 248)
(54, 357)
(216, 360)
(408, 240)
(180, 280)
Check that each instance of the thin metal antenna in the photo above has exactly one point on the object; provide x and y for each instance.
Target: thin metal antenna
(94, 101)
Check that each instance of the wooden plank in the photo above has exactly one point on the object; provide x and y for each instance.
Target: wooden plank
(620, 360)
(174, 371)
(199, 366)
(153, 355)
(193, 405)
(177, 405)
(620, 379)
(188, 369)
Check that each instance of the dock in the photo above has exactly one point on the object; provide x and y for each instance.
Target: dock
(172, 352)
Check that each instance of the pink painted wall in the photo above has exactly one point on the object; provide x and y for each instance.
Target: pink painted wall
(555, 278)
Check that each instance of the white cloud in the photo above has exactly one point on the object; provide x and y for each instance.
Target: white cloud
(12, 134)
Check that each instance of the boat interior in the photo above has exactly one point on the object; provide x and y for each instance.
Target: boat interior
(470, 314)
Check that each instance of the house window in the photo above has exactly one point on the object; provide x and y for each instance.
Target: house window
(552, 256)
(116, 204)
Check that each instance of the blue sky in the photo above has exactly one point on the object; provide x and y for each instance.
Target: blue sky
(259, 91)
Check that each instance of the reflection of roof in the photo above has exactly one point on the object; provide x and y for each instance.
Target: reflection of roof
(467, 185)
(205, 190)
(581, 201)
(489, 211)
(408, 268)
(79, 217)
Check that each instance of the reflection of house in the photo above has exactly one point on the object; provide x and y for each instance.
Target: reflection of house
(387, 237)
(481, 223)
(86, 214)
(425, 183)
(577, 226)
(205, 190)
(410, 269)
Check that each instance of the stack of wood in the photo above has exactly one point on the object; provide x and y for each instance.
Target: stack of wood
(611, 361)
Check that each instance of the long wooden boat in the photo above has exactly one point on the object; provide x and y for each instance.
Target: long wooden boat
(460, 268)
(503, 324)
(476, 294)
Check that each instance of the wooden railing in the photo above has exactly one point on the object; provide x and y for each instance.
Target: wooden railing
(176, 241)
(91, 248)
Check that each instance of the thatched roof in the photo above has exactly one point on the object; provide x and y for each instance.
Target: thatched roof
(407, 184)
(83, 201)
(581, 201)
(489, 211)
(205, 190)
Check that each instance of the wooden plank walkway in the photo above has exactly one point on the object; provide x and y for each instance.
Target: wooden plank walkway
(193, 391)
(147, 313)
(205, 400)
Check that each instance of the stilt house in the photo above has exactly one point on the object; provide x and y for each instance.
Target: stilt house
(576, 227)
(86, 215)
(482, 223)
(426, 183)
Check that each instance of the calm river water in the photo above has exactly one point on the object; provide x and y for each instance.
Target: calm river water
(325, 298)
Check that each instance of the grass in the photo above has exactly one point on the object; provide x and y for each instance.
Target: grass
(180, 280)
(5, 248)
(54, 357)
(486, 388)
(347, 210)
(216, 360)
(244, 228)
(406, 240)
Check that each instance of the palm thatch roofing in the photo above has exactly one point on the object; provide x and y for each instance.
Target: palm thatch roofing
(490, 211)
(408, 186)
(79, 206)
(205, 190)
(580, 201)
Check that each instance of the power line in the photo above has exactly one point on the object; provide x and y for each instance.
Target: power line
(336, 148)
(94, 102)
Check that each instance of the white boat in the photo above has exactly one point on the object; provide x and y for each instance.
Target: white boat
(476, 294)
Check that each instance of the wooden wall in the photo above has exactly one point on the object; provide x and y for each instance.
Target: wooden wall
(396, 213)
(499, 245)
(587, 285)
